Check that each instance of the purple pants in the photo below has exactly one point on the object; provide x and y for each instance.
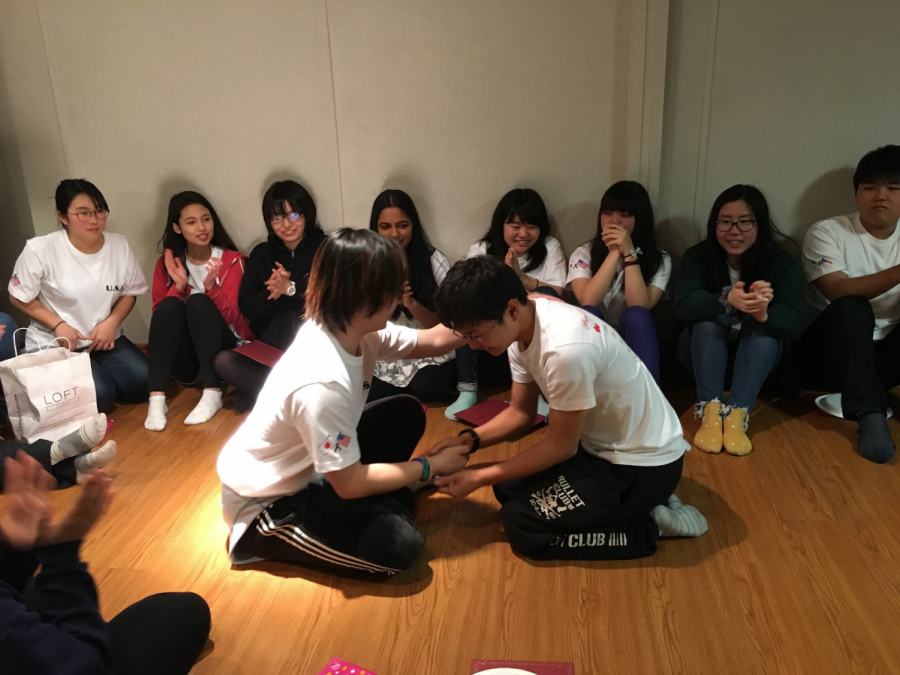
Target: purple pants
(637, 328)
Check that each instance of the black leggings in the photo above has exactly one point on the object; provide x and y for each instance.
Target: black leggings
(185, 336)
(63, 472)
(375, 534)
(431, 383)
(245, 374)
(162, 634)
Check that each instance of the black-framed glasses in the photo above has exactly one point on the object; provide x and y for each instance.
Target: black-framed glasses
(292, 217)
(85, 216)
(743, 225)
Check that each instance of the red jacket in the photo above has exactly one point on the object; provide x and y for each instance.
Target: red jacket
(224, 294)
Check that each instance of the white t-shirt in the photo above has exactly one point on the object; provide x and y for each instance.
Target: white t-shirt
(401, 372)
(552, 271)
(842, 244)
(304, 421)
(580, 363)
(197, 273)
(614, 300)
(80, 288)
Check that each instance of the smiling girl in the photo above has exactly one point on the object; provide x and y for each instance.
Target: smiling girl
(621, 273)
(520, 236)
(195, 306)
(741, 295)
(78, 285)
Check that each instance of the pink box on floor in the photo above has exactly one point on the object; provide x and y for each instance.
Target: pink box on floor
(338, 667)
(521, 668)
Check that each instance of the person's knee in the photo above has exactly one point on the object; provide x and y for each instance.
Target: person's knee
(405, 544)
(169, 306)
(855, 312)
(637, 318)
(106, 393)
(709, 328)
(7, 322)
(198, 302)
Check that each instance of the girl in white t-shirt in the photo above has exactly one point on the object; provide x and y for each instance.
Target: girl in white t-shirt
(621, 273)
(394, 215)
(315, 475)
(519, 235)
(195, 306)
(78, 285)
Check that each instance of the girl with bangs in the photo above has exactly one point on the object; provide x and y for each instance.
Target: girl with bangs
(520, 236)
(315, 475)
(195, 306)
(395, 215)
(621, 274)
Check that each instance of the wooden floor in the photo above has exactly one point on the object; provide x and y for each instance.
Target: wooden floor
(799, 573)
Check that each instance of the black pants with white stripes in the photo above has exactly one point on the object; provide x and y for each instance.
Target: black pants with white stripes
(586, 508)
(374, 534)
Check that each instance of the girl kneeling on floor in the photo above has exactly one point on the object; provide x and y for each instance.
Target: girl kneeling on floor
(741, 296)
(621, 273)
(195, 306)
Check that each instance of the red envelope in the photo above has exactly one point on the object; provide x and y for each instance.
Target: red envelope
(521, 668)
(260, 352)
(485, 411)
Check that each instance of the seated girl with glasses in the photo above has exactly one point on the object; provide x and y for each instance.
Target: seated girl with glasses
(394, 215)
(520, 236)
(195, 306)
(273, 290)
(741, 296)
(621, 273)
(315, 475)
(77, 285)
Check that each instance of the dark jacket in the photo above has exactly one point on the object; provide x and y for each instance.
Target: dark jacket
(68, 637)
(253, 297)
(697, 298)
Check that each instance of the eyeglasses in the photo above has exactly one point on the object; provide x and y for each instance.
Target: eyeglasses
(85, 216)
(742, 225)
(468, 337)
(279, 220)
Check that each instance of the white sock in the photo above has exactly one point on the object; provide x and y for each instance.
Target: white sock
(87, 436)
(679, 520)
(210, 403)
(94, 460)
(156, 413)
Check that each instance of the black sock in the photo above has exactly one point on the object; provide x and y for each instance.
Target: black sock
(875, 442)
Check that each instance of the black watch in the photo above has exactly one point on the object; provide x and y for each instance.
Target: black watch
(476, 439)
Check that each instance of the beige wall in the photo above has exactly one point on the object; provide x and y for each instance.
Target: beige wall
(454, 101)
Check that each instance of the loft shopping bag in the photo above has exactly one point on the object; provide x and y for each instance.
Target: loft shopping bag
(49, 392)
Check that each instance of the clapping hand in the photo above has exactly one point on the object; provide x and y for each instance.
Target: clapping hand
(213, 265)
(176, 270)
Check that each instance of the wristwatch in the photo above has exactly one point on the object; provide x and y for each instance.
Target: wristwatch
(292, 291)
(476, 439)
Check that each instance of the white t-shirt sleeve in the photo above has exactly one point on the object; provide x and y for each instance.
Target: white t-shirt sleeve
(554, 272)
(396, 342)
(28, 272)
(822, 253)
(477, 249)
(135, 281)
(519, 369)
(439, 266)
(661, 278)
(323, 416)
(571, 372)
(580, 264)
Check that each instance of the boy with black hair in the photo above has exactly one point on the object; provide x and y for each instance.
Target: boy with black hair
(314, 475)
(852, 268)
(599, 485)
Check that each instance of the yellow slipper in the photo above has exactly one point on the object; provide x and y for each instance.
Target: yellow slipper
(735, 439)
(709, 437)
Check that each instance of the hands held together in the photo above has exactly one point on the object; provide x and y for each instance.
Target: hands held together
(755, 301)
(28, 519)
(448, 457)
(279, 282)
(617, 238)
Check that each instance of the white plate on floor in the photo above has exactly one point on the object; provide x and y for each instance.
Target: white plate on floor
(831, 404)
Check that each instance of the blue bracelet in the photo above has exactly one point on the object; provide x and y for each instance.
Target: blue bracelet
(426, 467)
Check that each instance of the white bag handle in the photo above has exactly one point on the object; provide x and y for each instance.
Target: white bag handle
(38, 340)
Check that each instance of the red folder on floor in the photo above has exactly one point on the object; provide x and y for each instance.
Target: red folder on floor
(521, 668)
(485, 411)
(260, 352)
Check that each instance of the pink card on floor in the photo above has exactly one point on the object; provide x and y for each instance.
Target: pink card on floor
(336, 666)
(261, 352)
(485, 411)
(109, 424)
(522, 668)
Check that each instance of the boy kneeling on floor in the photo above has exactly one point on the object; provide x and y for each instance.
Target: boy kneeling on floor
(600, 485)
